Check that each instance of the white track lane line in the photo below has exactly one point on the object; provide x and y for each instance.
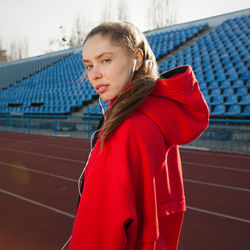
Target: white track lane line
(215, 166)
(38, 171)
(220, 153)
(41, 155)
(45, 144)
(216, 185)
(218, 214)
(36, 203)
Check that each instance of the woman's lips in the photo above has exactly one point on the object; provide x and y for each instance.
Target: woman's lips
(101, 88)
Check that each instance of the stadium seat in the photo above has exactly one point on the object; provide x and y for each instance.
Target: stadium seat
(232, 99)
(203, 85)
(217, 100)
(242, 91)
(207, 98)
(246, 111)
(219, 110)
(245, 76)
(238, 84)
(248, 83)
(228, 92)
(245, 100)
(213, 85)
(225, 84)
(233, 76)
(234, 110)
(215, 92)
(221, 77)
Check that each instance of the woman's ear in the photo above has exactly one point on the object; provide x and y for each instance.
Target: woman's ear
(138, 56)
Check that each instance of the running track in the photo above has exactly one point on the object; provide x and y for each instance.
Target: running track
(38, 194)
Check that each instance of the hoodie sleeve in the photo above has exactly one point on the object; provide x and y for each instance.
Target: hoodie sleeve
(182, 112)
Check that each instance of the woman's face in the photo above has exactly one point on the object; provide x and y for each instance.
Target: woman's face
(109, 67)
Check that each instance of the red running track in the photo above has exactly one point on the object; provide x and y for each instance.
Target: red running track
(38, 194)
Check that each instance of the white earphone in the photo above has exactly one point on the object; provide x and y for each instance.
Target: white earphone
(135, 62)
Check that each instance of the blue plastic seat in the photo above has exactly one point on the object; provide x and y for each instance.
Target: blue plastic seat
(245, 100)
(210, 77)
(242, 91)
(213, 85)
(225, 84)
(248, 83)
(245, 76)
(203, 85)
(221, 77)
(208, 99)
(234, 109)
(232, 99)
(219, 110)
(246, 111)
(205, 92)
(238, 83)
(228, 92)
(215, 92)
(217, 100)
(242, 70)
(233, 76)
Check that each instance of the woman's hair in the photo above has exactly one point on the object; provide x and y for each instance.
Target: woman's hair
(130, 38)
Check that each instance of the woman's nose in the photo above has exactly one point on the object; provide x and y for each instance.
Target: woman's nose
(96, 73)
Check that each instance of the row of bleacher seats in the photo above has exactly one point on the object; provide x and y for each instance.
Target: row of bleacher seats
(164, 42)
(15, 71)
(230, 110)
(96, 109)
(62, 109)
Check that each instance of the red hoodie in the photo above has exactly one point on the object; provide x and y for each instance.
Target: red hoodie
(133, 196)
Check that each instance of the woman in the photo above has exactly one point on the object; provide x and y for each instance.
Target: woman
(133, 196)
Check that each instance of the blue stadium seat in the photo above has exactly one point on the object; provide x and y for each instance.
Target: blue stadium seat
(232, 99)
(246, 111)
(217, 100)
(228, 92)
(225, 84)
(233, 76)
(248, 83)
(234, 110)
(238, 83)
(215, 92)
(219, 110)
(245, 76)
(213, 85)
(221, 77)
(242, 91)
(245, 100)
(203, 85)
(242, 70)
(208, 99)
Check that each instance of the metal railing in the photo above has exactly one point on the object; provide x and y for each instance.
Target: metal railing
(58, 125)
(221, 135)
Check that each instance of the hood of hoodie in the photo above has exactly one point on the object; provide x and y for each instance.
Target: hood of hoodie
(177, 106)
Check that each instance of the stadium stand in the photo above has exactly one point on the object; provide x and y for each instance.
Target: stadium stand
(217, 49)
(18, 70)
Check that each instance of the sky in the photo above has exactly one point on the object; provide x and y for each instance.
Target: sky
(38, 21)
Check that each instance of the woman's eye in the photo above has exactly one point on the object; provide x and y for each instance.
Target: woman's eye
(106, 60)
(88, 67)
